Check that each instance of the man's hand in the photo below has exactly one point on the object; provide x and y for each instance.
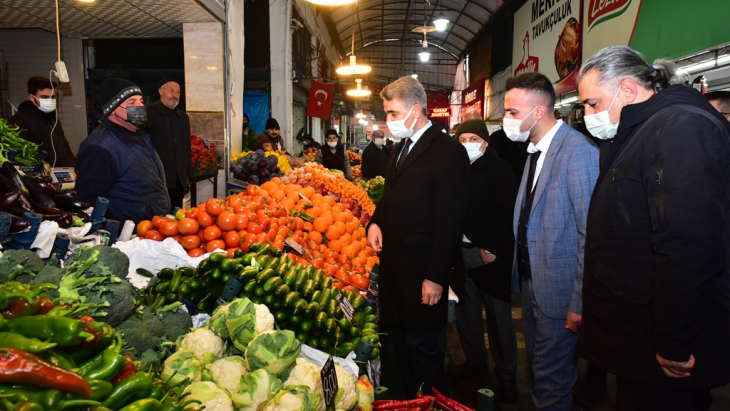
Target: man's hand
(431, 292)
(487, 258)
(573, 322)
(676, 369)
(375, 238)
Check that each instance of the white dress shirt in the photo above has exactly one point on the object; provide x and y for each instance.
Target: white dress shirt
(414, 138)
(542, 147)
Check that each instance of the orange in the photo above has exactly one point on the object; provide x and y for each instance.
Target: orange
(293, 196)
(345, 239)
(329, 200)
(335, 245)
(277, 195)
(321, 224)
(316, 196)
(316, 237)
(313, 212)
(340, 227)
(339, 217)
(277, 181)
(348, 252)
(308, 226)
(333, 233)
(351, 226)
(309, 192)
(288, 204)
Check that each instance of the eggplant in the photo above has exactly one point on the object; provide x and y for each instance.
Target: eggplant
(9, 200)
(18, 224)
(69, 203)
(37, 194)
(64, 220)
(68, 193)
(17, 211)
(9, 171)
(6, 185)
(44, 183)
(44, 209)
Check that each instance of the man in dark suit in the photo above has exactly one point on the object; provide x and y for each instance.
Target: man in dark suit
(169, 129)
(374, 158)
(417, 229)
(486, 257)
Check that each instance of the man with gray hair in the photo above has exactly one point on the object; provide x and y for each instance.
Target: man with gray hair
(417, 229)
(656, 286)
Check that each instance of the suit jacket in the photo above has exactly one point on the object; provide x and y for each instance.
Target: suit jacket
(421, 216)
(557, 227)
(374, 161)
(492, 193)
(170, 134)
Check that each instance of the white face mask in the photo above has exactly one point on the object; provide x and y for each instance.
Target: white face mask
(378, 142)
(332, 144)
(473, 150)
(600, 124)
(398, 127)
(512, 126)
(46, 105)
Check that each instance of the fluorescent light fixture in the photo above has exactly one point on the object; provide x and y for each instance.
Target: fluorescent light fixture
(693, 68)
(424, 56)
(441, 22)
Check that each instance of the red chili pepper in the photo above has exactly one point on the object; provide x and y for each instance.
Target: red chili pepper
(128, 370)
(20, 367)
(407, 404)
(44, 305)
(19, 307)
(448, 404)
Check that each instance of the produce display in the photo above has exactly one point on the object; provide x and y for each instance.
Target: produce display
(258, 167)
(203, 156)
(357, 171)
(374, 187)
(354, 158)
(310, 154)
(26, 151)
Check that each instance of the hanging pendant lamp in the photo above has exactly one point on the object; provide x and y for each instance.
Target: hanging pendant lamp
(359, 91)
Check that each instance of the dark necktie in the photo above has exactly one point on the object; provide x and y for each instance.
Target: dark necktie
(403, 153)
(523, 256)
(531, 173)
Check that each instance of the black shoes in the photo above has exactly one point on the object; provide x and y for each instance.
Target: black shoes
(592, 391)
(510, 392)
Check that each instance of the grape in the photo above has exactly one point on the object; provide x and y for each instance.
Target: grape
(252, 167)
(272, 160)
(254, 180)
(263, 164)
(264, 173)
(242, 176)
(260, 152)
(275, 169)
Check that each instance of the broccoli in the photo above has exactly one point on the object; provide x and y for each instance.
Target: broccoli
(176, 321)
(50, 274)
(29, 260)
(113, 259)
(142, 331)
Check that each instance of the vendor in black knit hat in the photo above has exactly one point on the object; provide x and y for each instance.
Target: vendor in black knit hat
(117, 160)
(270, 139)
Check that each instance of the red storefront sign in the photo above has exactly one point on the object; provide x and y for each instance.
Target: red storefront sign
(440, 112)
(472, 99)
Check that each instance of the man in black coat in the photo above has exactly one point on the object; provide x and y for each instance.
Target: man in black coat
(417, 229)
(169, 128)
(374, 158)
(486, 257)
(656, 286)
(39, 124)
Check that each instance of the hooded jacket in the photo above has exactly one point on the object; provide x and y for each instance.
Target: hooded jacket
(657, 272)
(36, 127)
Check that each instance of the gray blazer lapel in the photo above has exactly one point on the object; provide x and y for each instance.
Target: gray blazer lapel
(547, 165)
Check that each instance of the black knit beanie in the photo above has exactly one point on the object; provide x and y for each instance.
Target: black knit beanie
(114, 91)
(166, 79)
(474, 126)
(272, 123)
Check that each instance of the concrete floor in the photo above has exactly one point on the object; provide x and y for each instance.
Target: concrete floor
(466, 391)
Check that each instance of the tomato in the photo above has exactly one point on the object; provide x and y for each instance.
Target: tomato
(214, 206)
(254, 228)
(318, 262)
(262, 238)
(169, 228)
(143, 227)
(242, 221)
(232, 252)
(190, 241)
(156, 221)
(204, 219)
(211, 233)
(360, 282)
(283, 232)
(246, 243)
(252, 190)
(188, 226)
(192, 213)
(271, 234)
(343, 276)
(196, 252)
(278, 243)
(227, 221)
(179, 214)
(215, 245)
(232, 239)
(154, 235)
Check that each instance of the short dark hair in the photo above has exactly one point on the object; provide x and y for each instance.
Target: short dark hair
(722, 98)
(535, 83)
(245, 115)
(36, 84)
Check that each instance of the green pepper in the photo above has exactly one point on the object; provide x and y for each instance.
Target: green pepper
(60, 330)
(59, 359)
(112, 361)
(33, 345)
(132, 388)
(28, 406)
(159, 390)
(145, 404)
(100, 388)
(50, 400)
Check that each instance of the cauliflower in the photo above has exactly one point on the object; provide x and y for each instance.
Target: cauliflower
(181, 367)
(365, 394)
(210, 396)
(294, 398)
(204, 343)
(346, 395)
(255, 390)
(306, 373)
(275, 351)
(226, 372)
(246, 320)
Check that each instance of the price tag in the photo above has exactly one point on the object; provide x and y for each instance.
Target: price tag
(207, 143)
(305, 198)
(345, 305)
(296, 246)
(329, 383)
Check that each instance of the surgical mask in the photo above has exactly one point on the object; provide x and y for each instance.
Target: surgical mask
(512, 126)
(46, 105)
(473, 150)
(378, 142)
(136, 115)
(332, 144)
(398, 127)
(600, 124)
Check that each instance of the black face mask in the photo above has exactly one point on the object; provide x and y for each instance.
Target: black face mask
(136, 116)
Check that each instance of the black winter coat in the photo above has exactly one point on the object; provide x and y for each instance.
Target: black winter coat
(421, 216)
(657, 272)
(170, 134)
(36, 127)
(492, 193)
(374, 161)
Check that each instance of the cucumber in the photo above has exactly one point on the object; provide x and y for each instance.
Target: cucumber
(299, 306)
(281, 315)
(291, 276)
(273, 283)
(316, 296)
(249, 287)
(269, 299)
(259, 291)
(166, 274)
(307, 290)
(359, 302)
(312, 309)
(330, 327)
(306, 326)
(327, 283)
(320, 320)
(247, 274)
(291, 299)
(318, 278)
(302, 278)
(325, 297)
(282, 269)
(272, 263)
(281, 291)
(264, 275)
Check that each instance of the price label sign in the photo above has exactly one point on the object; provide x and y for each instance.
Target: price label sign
(345, 305)
(303, 197)
(329, 383)
(296, 246)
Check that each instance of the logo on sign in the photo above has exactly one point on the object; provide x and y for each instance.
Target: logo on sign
(600, 11)
(439, 112)
(529, 64)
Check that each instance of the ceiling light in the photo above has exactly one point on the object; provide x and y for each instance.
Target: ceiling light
(424, 55)
(360, 115)
(359, 91)
(375, 126)
(353, 68)
(414, 75)
(441, 22)
(331, 2)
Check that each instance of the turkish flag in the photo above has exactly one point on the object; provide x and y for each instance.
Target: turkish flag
(320, 99)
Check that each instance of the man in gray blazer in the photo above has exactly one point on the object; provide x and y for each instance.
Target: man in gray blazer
(549, 227)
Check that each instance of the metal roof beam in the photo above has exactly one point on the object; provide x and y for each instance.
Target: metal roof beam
(444, 7)
(332, 30)
(405, 26)
(455, 22)
(398, 24)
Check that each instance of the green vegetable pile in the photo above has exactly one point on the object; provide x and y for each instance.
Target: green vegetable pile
(374, 187)
(27, 152)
